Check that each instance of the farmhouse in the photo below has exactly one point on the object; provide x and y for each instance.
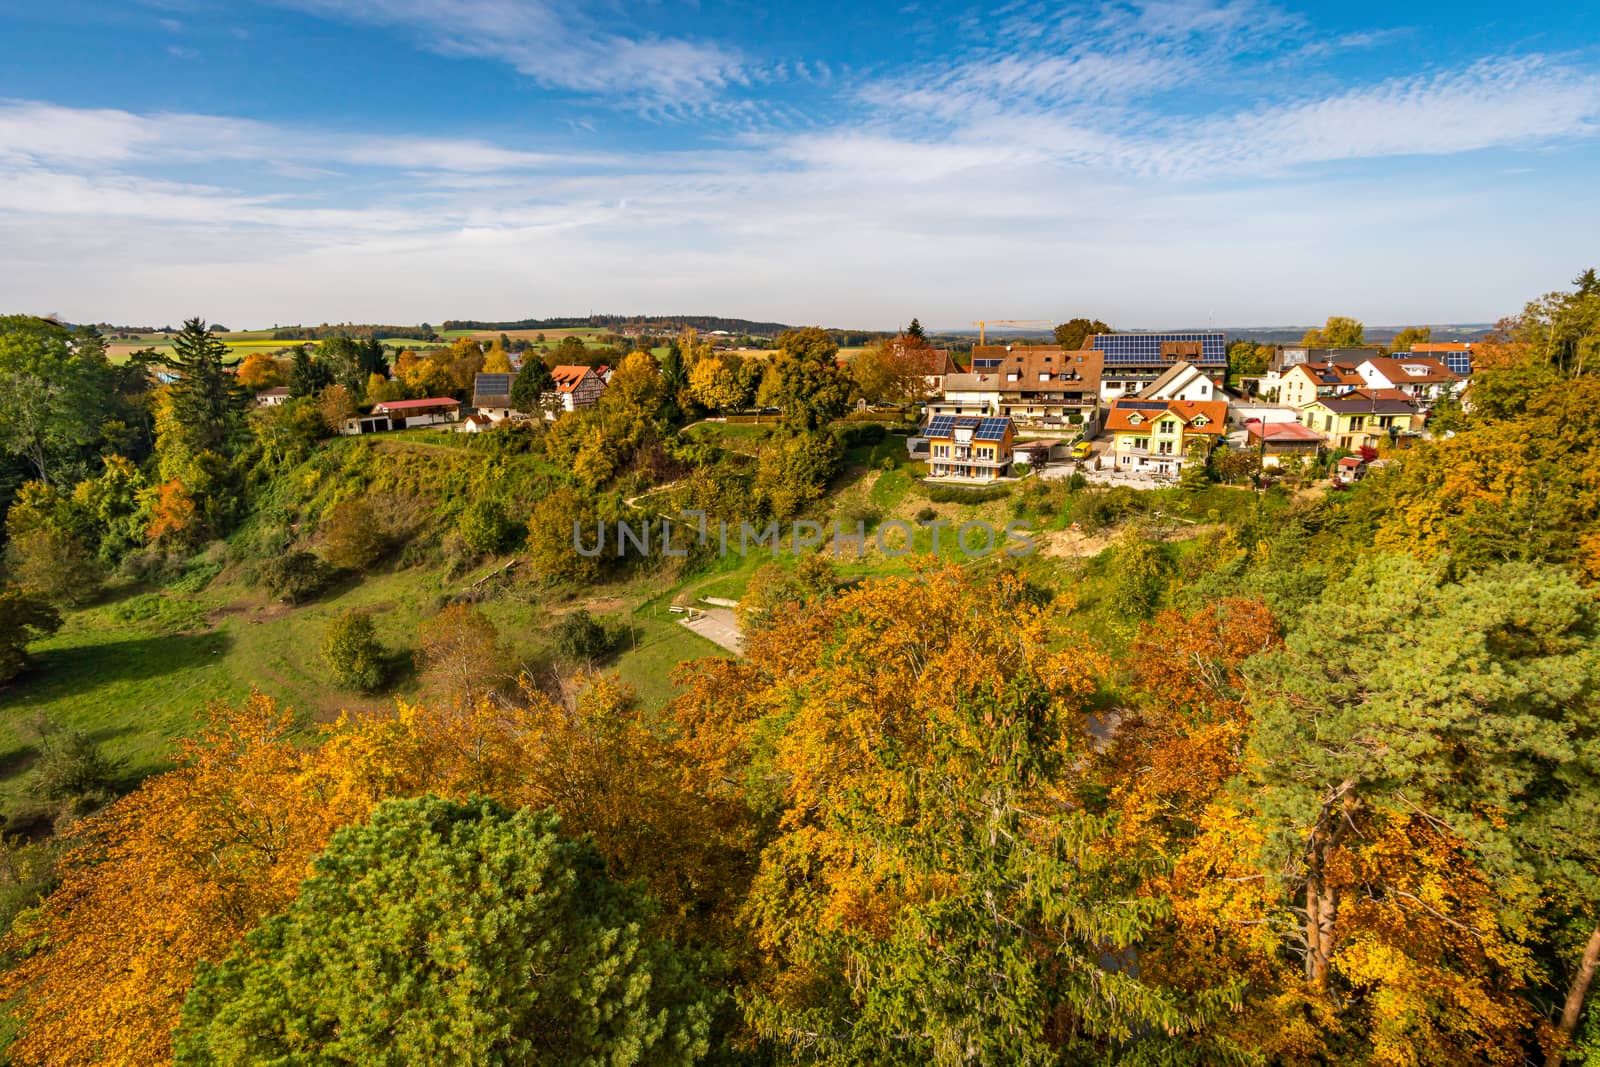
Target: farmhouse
(275, 397)
(491, 396)
(576, 387)
(431, 411)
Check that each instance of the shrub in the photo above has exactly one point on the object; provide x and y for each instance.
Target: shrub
(1021, 470)
(352, 651)
(23, 620)
(580, 639)
(486, 528)
(72, 768)
(927, 513)
(863, 514)
(296, 576)
(862, 433)
(353, 536)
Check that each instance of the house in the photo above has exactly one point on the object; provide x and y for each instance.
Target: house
(1362, 418)
(1183, 381)
(1305, 382)
(576, 387)
(406, 414)
(1293, 355)
(933, 364)
(969, 446)
(360, 424)
(1455, 355)
(475, 423)
(491, 396)
(1349, 470)
(1421, 378)
(1133, 361)
(1042, 385)
(1276, 441)
(275, 397)
(1159, 436)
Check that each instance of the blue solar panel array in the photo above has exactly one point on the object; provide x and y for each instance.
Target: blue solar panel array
(1460, 363)
(1125, 349)
(991, 430)
(941, 425)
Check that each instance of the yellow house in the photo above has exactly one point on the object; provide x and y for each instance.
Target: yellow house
(1364, 418)
(1157, 436)
(969, 446)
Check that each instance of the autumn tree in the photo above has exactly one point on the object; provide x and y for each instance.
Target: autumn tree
(337, 405)
(495, 360)
(172, 874)
(1411, 335)
(1338, 332)
(931, 893)
(353, 535)
(1073, 333)
(793, 471)
(804, 381)
(532, 955)
(459, 655)
(714, 383)
(261, 370)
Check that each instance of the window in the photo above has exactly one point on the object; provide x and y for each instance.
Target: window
(1357, 421)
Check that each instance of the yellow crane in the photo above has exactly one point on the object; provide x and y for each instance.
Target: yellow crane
(984, 324)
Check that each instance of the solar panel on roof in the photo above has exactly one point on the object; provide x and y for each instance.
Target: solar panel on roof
(494, 384)
(1143, 405)
(991, 430)
(941, 425)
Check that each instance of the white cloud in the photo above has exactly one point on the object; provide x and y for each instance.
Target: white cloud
(557, 45)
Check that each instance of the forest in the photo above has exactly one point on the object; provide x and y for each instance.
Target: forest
(1250, 775)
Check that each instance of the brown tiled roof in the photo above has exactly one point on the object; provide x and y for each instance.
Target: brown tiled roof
(1366, 402)
(1394, 369)
(1082, 368)
(1331, 373)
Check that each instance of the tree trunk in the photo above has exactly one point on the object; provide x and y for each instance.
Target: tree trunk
(1576, 993)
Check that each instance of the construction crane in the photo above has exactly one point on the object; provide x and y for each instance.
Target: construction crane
(984, 324)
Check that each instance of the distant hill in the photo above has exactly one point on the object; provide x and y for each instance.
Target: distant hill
(655, 323)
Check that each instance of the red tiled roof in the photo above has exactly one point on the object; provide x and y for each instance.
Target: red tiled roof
(568, 376)
(1214, 411)
(414, 405)
(1283, 431)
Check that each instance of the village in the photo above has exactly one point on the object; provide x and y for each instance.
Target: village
(1132, 409)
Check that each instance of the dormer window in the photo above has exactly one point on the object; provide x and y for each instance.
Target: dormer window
(1201, 420)
(1135, 419)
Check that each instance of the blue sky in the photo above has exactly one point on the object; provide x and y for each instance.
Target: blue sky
(1241, 162)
